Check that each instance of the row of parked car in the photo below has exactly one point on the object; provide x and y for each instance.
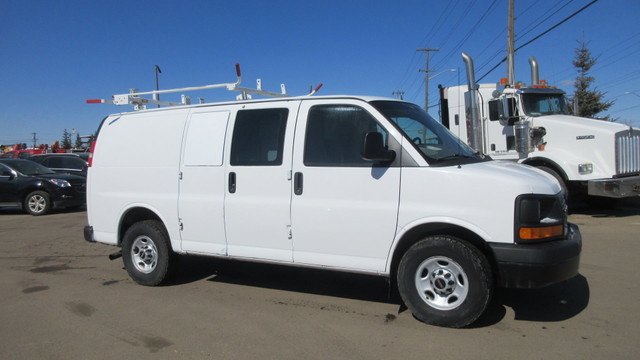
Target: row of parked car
(44, 182)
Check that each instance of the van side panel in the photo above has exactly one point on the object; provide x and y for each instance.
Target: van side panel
(135, 164)
(202, 187)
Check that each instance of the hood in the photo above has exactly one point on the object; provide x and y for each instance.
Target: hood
(521, 179)
(580, 123)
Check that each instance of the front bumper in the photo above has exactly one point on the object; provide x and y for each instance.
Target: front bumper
(538, 265)
(70, 196)
(615, 188)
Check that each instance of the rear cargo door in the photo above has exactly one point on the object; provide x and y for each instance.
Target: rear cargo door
(202, 179)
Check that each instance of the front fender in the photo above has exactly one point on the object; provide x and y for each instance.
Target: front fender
(413, 231)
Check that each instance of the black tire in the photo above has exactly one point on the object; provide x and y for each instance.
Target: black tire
(558, 177)
(445, 281)
(37, 203)
(147, 254)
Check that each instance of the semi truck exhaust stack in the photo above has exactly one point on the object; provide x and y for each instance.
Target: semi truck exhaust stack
(473, 113)
(535, 79)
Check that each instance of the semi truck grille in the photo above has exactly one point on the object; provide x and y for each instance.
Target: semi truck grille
(628, 152)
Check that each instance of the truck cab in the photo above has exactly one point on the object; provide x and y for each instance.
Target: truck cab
(532, 125)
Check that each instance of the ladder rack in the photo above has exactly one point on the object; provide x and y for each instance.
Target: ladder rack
(139, 103)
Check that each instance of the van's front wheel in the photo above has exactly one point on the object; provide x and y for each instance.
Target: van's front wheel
(146, 253)
(445, 281)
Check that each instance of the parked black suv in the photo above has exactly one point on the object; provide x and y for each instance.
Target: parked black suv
(63, 163)
(38, 189)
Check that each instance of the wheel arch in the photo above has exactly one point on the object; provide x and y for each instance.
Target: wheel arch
(134, 215)
(38, 186)
(540, 161)
(421, 231)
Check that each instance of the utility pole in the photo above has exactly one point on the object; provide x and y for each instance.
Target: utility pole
(426, 77)
(398, 94)
(34, 140)
(510, 45)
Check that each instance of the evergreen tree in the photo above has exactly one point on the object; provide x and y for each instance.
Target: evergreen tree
(66, 140)
(589, 100)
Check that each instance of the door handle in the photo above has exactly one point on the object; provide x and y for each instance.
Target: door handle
(232, 182)
(297, 183)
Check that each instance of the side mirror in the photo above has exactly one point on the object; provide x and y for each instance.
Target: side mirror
(374, 149)
(503, 109)
(10, 174)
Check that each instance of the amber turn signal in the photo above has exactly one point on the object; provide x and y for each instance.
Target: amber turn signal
(537, 233)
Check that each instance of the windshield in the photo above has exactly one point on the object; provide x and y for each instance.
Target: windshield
(29, 168)
(544, 104)
(433, 140)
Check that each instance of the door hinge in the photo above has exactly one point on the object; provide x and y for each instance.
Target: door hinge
(289, 234)
(180, 175)
(181, 226)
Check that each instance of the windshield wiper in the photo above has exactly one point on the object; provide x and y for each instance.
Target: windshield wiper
(454, 156)
(476, 154)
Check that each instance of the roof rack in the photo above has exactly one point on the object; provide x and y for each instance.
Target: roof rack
(133, 97)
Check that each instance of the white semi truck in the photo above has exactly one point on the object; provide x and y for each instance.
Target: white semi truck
(532, 125)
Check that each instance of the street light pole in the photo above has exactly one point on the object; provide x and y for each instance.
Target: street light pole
(156, 97)
(426, 105)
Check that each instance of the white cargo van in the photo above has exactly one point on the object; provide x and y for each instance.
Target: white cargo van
(348, 183)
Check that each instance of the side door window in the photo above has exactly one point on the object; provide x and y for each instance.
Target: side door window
(258, 137)
(55, 162)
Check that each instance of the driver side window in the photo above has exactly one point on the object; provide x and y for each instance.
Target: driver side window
(335, 135)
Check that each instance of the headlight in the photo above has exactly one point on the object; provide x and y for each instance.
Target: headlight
(540, 218)
(585, 168)
(60, 182)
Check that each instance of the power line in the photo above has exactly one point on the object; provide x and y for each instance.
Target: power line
(533, 27)
(539, 36)
(471, 31)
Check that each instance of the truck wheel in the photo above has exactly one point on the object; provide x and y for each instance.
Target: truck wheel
(555, 174)
(146, 253)
(37, 203)
(445, 281)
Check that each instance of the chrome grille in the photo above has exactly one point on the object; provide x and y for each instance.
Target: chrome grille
(627, 152)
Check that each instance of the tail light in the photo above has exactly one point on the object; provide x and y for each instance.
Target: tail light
(93, 147)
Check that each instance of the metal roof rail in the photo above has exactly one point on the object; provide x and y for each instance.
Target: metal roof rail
(133, 97)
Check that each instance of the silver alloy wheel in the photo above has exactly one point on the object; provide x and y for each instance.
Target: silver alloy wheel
(144, 254)
(441, 283)
(37, 203)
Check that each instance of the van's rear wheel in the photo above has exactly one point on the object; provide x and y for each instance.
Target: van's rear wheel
(146, 253)
(445, 281)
